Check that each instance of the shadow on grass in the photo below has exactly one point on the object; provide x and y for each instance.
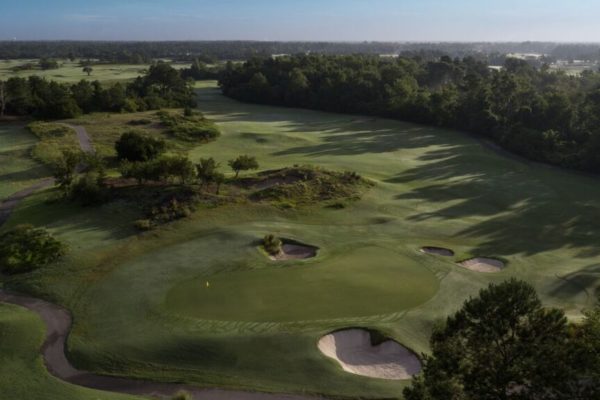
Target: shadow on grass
(515, 207)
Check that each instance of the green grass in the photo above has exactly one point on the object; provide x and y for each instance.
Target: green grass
(315, 291)
(141, 306)
(22, 372)
(17, 169)
(71, 71)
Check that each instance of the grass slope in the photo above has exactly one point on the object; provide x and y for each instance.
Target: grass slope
(22, 372)
(17, 169)
(138, 301)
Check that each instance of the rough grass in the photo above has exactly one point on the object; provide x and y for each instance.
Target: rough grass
(17, 169)
(432, 187)
(53, 138)
(22, 372)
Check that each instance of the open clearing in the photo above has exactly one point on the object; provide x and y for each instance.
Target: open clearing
(142, 309)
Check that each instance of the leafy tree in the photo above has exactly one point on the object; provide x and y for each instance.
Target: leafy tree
(243, 163)
(88, 70)
(133, 146)
(218, 178)
(206, 170)
(501, 345)
(26, 248)
(65, 168)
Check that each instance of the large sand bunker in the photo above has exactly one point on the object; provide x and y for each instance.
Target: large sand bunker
(353, 350)
(292, 250)
(482, 264)
(438, 251)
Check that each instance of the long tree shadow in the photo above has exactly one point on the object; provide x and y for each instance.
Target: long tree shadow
(524, 209)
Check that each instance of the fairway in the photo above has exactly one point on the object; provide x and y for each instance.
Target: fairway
(72, 71)
(142, 307)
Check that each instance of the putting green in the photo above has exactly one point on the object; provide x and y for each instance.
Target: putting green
(387, 282)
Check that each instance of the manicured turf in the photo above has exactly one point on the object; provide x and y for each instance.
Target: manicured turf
(22, 372)
(17, 169)
(140, 303)
(324, 290)
(71, 71)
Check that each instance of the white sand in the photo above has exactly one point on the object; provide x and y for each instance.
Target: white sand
(438, 251)
(482, 264)
(294, 252)
(352, 349)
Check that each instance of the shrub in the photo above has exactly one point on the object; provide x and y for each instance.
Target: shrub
(26, 248)
(133, 146)
(143, 224)
(182, 395)
(189, 126)
(272, 244)
(243, 163)
(89, 190)
(141, 121)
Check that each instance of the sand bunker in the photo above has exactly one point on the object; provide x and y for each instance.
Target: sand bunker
(353, 350)
(438, 251)
(291, 250)
(482, 264)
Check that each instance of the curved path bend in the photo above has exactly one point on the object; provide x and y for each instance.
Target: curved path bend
(11, 202)
(58, 323)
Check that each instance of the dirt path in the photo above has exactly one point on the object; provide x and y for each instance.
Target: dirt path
(10, 203)
(58, 325)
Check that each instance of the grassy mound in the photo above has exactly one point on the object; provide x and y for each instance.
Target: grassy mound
(307, 185)
(192, 128)
(54, 138)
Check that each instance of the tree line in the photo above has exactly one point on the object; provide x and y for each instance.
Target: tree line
(161, 87)
(540, 114)
(211, 51)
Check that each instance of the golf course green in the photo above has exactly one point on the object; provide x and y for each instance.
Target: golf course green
(196, 302)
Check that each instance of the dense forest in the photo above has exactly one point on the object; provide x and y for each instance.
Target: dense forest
(162, 86)
(142, 52)
(543, 115)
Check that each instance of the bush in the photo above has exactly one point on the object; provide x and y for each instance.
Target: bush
(89, 190)
(182, 395)
(26, 248)
(189, 126)
(45, 130)
(133, 146)
(143, 224)
(272, 244)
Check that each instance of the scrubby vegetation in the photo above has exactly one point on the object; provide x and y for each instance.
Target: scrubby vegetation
(307, 185)
(134, 146)
(272, 244)
(193, 127)
(541, 114)
(55, 139)
(26, 248)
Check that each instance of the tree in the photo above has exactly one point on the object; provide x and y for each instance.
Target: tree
(206, 171)
(26, 248)
(65, 168)
(501, 345)
(3, 98)
(243, 163)
(218, 179)
(133, 146)
(88, 70)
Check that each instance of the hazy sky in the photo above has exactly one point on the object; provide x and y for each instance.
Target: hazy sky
(347, 20)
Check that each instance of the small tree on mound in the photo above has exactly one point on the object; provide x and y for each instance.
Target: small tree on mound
(133, 146)
(243, 163)
(272, 244)
(206, 171)
(26, 248)
(501, 345)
